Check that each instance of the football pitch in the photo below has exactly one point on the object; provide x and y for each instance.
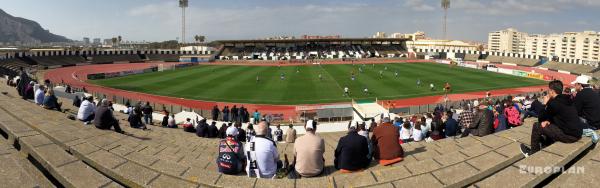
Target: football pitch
(313, 84)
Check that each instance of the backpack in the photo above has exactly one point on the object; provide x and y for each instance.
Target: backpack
(512, 114)
(228, 160)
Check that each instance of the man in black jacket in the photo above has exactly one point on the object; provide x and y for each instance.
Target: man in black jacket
(558, 121)
(202, 129)
(215, 113)
(105, 119)
(587, 102)
(351, 152)
(213, 131)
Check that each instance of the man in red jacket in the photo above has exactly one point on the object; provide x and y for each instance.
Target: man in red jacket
(385, 139)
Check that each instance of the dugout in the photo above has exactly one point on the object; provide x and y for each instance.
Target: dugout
(341, 112)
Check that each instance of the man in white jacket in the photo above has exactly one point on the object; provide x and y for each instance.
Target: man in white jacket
(86, 110)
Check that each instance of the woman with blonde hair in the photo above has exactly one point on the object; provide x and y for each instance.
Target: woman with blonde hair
(50, 101)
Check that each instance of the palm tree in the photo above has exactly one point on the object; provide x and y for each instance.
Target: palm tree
(445, 6)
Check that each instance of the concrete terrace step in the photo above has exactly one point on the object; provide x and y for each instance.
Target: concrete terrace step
(527, 173)
(584, 173)
(17, 171)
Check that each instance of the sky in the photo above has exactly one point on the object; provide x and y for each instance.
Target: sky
(159, 20)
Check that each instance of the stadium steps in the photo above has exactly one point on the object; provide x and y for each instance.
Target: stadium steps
(17, 171)
(64, 168)
(584, 173)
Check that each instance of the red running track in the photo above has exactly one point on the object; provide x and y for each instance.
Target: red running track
(76, 77)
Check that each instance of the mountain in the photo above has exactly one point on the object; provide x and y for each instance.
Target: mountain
(13, 29)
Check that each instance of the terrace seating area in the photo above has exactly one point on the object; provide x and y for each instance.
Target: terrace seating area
(83, 156)
(114, 58)
(513, 60)
(471, 57)
(575, 68)
(163, 57)
(58, 60)
(311, 52)
(11, 66)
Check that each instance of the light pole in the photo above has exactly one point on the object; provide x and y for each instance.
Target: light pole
(445, 6)
(183, 4)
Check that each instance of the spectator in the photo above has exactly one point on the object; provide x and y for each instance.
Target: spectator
(39, 96)
(417, 133)
(202, 129)
(465, 119)
(213, 131)
(86, 110)
(234, 113)
(536, 108)
(231, 159)
(587, 102)
(500, 123)
(128, 108)
(437, 126)
(222, 131)
(226, 114)
(352, 152)
(241, 132)
(558, 122)
(308, 152)
(256, 116)
(51, 102)
(290, 134)
(482, 124)
(406, 132)
(215, 113)
(165, 120)
(512, 114)
(135, 120)
(278, 134)
(188, 126)
(147, 111)
(77, 101)
(250, 133)
(450, 124)
(104, 118)
(362, 131)
(263, 158)
(270, 132)
(28, 93)
(172, 123)
(387, 149)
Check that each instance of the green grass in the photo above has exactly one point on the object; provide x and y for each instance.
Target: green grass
(238, 83)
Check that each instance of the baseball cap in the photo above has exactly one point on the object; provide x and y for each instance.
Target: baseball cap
(310, 124)
(582, 80)
(231, 131)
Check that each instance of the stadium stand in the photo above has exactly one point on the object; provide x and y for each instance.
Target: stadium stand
(10, 67)
(163, 57)
(471, 57)
(513, 60)
(100, 59)
(575, 68)
(171, 157)
(58, 60)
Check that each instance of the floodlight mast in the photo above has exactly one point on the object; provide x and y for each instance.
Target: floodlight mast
(183, 4)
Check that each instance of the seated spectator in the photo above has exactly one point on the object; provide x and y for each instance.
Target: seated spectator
(135, 120)
(172, 123)
(165, 120)
(437, 126)
(352, 152)
(250, 133)
(450, 124)
(105, 119)
(188, 126)
(513, 116)
(29, 92)
(128, 108)
(77, 101)
(387, 149)
(500, 123)
(417, 134)
(222, 131)
(202, 129)
(241, 132)
(587, 102)
(278, 133)
(263, 158)
(406, 132)
(51, 102)
(213, 131)
(39, 96)
(362, 131)
(482, 124)
(558, 122)
(147, 112)
(290, 134)
(308, 152)
(231, 159)
(535, 109)
(86, 110)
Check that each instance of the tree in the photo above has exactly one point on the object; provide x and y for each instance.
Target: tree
(114, 40)
(445, 6)
(119, 38)
(199, 38)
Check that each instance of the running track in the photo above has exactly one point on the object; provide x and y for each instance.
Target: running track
(77, 75)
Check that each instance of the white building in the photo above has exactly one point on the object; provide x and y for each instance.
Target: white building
(509, 40)
(571, 45)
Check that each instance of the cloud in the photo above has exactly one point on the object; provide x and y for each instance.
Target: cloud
(418, 5)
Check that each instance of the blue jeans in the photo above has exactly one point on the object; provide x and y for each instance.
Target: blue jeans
(148, 117)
